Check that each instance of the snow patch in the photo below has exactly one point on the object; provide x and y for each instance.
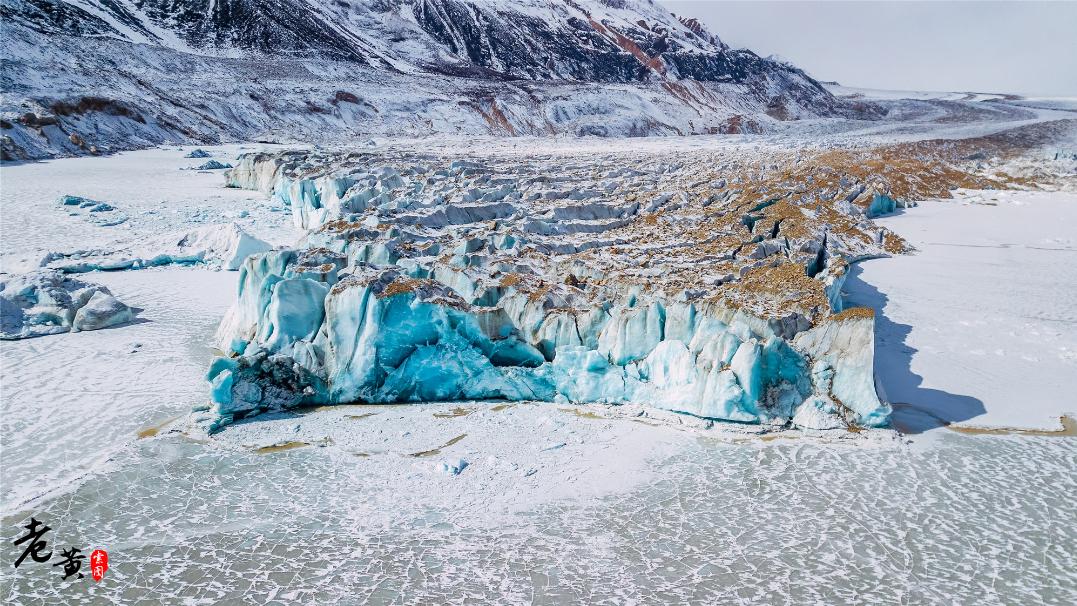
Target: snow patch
(223, 245)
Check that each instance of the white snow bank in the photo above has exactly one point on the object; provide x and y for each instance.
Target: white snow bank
(226, 244)
(147, 187)
(979, 327)
(223, 245)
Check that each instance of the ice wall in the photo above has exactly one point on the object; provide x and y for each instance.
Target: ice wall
(302, 334)
(471, 281)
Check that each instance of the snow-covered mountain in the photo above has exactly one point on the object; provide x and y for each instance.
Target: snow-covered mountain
(585, 40)
(93, 75)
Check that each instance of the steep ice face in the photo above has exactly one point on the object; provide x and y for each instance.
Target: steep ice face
(498, 279)
(301, 334)
(314, 201)
(47, 302)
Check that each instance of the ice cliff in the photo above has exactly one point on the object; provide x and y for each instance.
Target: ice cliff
(708, 286)
(380, 335)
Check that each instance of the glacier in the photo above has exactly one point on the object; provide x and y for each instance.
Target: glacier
(302, 335)
(385, 337)
(438, 279)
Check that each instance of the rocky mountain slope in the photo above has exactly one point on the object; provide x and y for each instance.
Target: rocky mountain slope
(94, 75)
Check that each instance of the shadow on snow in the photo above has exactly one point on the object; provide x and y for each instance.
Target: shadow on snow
(918, 409)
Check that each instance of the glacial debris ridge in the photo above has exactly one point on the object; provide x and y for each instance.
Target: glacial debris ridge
(705, 283)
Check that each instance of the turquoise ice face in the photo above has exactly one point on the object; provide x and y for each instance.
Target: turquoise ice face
(468, 281)
(881, 205)
(380, 335)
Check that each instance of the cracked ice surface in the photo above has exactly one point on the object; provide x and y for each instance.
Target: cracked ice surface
(71, 401)
(970, 519)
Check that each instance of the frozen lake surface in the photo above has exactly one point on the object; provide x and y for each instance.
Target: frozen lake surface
(556, 504)
(966, 519)
(979, 327)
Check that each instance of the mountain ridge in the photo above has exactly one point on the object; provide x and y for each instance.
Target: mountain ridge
(507, 61)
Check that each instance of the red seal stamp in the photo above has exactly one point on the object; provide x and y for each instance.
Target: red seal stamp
(98, 563)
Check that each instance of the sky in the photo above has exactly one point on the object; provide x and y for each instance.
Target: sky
(1022, 47)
